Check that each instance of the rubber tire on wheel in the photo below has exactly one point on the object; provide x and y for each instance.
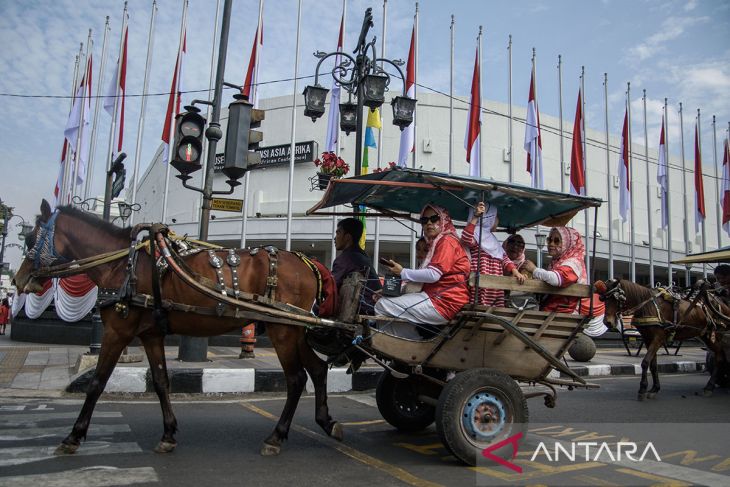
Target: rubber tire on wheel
(398, 403)
(583, 348)
(487, 385)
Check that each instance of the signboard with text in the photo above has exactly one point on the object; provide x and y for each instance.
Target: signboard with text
(277, 155)
(226, 204)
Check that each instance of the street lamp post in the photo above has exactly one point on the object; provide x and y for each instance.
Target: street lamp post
(364, 78)
(540, 241)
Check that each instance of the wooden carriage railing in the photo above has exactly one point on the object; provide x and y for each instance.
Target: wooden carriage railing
(508, 283)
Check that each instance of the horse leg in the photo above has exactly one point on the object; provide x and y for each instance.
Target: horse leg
(654, 378)
(154, 347)
(111, 348)
(317, 369)
(284, 339)
(652, 345)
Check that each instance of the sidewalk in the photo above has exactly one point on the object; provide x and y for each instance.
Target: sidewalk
(44, 367)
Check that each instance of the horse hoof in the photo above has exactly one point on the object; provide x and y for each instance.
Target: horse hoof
(66, 449)
(270, 450)
(337, 432)
(642, 396)
(165, 447)
(651, 395)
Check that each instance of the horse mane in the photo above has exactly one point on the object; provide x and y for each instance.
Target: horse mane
(95, 221)
(635, 292)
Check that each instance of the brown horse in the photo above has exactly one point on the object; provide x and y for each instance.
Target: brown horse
(76, 235)
(654, 317)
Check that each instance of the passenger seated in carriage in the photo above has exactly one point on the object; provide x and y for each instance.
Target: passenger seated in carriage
(514, 247)
(352, 259)
(490, 259)
(444, 275)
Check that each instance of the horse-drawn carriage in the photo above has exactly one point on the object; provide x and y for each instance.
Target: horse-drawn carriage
(165, 284)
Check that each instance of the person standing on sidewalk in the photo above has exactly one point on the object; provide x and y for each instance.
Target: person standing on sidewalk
(4, 315)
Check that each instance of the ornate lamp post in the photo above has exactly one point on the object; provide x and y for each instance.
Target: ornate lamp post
(540, 241)
(366, 82)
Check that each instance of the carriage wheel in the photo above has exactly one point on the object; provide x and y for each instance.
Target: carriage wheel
(477, 408)
(398, 403)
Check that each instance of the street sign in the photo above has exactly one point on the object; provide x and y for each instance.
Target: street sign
(226, 204)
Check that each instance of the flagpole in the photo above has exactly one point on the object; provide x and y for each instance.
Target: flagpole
(648, 198)
(415, 130)
(509, 109)
(586, 215)
(608, 180)
(143, 106)
(293, 131)
(61, 181)
(176, 89)
(333, 248)
(254, 100)
(376, 245)
(704, 234)
(632, 240)
(82, 120)
(451, 99)
(718, 210)
(97, 104)
(560, 114)
(687, 275)
(669, 202)
(70, 154)
(211, 91)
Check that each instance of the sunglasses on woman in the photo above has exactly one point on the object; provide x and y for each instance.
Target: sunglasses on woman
(432, 219)
(555, 240)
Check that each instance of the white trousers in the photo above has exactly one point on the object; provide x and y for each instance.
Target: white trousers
(414, 307)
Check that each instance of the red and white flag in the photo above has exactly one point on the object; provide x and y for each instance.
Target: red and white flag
(577, 158)
(57, 198)
(250, 85)
(116, 95)
(533, 140)
(77, 127)
(472, 141)
(624, 195)
(662, 178)
(173, 102)
(699, 185)
(333, 118)
(726, 187)
(408, 135)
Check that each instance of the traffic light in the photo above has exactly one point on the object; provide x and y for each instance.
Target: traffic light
(241, 140)
(188, 145)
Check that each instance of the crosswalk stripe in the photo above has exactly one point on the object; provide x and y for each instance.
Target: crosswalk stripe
(27, 419)
(18, 456)
(60, 431)
(88, 477)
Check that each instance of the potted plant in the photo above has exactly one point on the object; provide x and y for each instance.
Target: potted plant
(330, 166)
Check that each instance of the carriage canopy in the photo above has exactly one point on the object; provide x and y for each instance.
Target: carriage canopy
(715, 256)
(402, 192)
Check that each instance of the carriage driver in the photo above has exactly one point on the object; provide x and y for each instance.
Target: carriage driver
(354, 259)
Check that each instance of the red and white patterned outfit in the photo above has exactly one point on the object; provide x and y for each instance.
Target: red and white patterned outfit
(487, 265)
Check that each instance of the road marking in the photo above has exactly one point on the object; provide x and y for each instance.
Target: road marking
(60, 431)
(18, 456)
(361, 457)
(88, 477)
(363, 423)
(25, 419)
(365, 399)
(648, 476)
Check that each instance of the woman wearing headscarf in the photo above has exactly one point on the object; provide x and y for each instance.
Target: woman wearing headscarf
(444, 275)
(487, 255)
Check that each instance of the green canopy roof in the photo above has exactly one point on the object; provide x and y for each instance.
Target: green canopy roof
(404, 192)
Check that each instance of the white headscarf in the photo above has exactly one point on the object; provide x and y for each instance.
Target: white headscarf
(489, 242)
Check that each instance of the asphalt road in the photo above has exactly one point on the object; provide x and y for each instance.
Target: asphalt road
(219, 441)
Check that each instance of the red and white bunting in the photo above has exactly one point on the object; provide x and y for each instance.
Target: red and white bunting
(408, 135)
(699, 186)
(533, 140)
(577, 159)
(624, 200)
(472, 142)
(662, 178)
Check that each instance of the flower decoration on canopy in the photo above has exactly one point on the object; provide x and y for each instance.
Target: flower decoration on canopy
(391, 165)
(331, 164)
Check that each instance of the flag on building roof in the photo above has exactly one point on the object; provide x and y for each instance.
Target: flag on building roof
(408, 135)
(699, 185)
(333, 118)
(577, 159)
(533, 140)
(624, 200)
(173, 101)
(250, 85)
(662, 178)
(472, 142)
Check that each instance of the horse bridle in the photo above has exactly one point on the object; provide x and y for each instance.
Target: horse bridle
(43, 253)
(617, 293)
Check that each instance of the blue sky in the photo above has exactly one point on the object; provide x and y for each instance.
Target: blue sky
(674, 49)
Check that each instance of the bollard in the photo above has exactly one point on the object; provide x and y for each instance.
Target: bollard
(248, 341)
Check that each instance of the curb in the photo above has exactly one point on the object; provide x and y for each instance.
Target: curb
(241, 381)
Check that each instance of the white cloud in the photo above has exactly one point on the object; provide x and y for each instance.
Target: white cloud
(671, 28)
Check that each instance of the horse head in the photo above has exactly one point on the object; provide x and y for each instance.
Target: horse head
(614, 297)
(38, 242)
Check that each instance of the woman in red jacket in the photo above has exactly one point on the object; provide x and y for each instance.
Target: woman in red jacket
(4, 315)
